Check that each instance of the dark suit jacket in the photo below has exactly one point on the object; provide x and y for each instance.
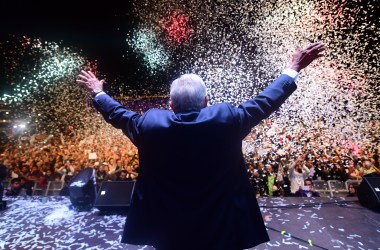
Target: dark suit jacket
(193, 190)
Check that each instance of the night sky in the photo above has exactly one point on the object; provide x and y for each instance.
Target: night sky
(98, 29)
(237, 47)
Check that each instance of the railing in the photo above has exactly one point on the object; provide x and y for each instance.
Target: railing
(340, 188)
(52, 188)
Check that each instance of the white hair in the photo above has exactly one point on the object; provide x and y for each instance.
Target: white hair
(188, 93)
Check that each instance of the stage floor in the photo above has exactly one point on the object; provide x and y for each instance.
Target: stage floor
(292, 223)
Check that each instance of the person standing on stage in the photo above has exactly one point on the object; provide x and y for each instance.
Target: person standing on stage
(217, 209)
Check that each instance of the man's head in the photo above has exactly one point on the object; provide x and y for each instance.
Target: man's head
(298, 167)
(101, 168)
(309, 163)
(269, 168)
(123, 175)
(308, 182)
(25, 169)
(16, 183)
(34, 169)
(49, 172)
(367, 164)
(188, 93)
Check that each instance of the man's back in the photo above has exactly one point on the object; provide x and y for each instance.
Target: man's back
(193, 187)
(216, 210)
(193, 181)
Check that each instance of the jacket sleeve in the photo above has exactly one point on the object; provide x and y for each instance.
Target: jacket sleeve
(264, 104)
(118, 116)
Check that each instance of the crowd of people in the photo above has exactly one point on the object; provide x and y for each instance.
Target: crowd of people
(37, 161)
(279, 159)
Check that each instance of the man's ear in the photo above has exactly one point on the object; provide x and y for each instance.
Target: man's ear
(205, 101)
(171, 105)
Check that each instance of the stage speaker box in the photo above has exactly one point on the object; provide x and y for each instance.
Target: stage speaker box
(3, 175)
(82, 189)
(369, 192)
(114, 196)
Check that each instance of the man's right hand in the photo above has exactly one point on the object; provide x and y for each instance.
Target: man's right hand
(90, 81)
(303, 57)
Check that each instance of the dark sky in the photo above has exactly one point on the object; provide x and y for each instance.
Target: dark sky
(99, 29)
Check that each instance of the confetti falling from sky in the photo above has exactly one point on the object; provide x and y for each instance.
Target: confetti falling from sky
(145, 42)
(178, 27)
(44, 91)
(47, 63)
(239, 47)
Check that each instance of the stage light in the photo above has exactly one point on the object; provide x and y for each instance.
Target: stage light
(82, 189)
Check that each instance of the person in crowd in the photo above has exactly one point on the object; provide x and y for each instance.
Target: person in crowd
(287, 184)
(260, 168)
(35, 173)
(65, 191)
(257, 179)
(48, 176)
(118, 166)
(114, 170)
(353, 172)
(217, 209)
(321, 171)
(123, 176)
(250, 172)
(376, 159)
(273, 182)
(307, 190)
(15, 188)
(338, 172)
(352, 190)
(369, 169)
(14, 172)
(132, 174)
(297, 174)
(25, 171)
(27, 185)
(102, 175)
(311, 167)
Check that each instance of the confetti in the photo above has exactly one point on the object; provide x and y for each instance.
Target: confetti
(238, 48)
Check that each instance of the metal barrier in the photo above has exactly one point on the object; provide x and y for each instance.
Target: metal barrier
(54, 187)
(337, 188)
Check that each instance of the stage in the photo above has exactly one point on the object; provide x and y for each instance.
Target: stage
(292, 223)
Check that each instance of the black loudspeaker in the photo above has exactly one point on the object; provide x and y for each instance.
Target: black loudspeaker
(369, 192)
(3, 172)
(82, 189)
(114, 196)
(3, 175)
